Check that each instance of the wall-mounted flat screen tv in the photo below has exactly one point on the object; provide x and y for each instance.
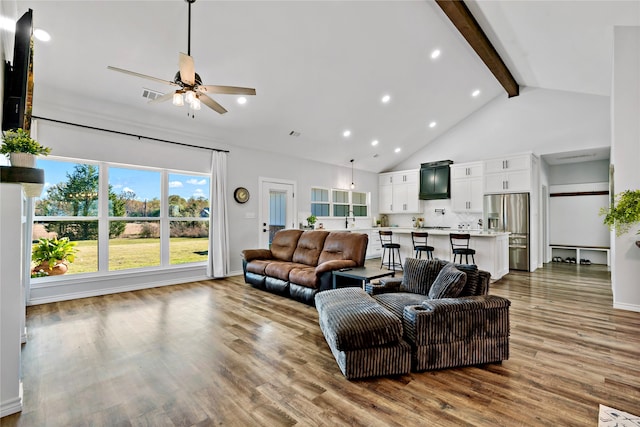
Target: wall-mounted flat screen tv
(18, 78)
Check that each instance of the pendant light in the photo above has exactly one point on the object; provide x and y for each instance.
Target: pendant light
(353, 185)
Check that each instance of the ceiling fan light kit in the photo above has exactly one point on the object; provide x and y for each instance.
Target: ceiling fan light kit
(190, 87)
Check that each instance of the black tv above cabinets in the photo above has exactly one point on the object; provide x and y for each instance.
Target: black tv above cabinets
(434, 180)
(16, 100)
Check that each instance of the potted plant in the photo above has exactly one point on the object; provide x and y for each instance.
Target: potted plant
(21, 148)
(53, 255)
(624, 213)
(311, 220)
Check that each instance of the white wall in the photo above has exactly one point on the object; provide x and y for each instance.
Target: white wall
(244, 169)
(579, 173)
(625, 157)
(538, 120)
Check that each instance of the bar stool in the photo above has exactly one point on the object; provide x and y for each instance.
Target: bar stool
(419, 240)
(386, 240)
(460, 246)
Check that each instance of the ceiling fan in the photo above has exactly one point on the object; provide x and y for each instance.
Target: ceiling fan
(189, 83)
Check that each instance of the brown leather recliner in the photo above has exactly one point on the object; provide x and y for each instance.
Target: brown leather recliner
(300, 263)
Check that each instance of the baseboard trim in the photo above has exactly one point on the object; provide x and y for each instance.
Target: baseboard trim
(114, 290)
(628, 307)
(11, 406)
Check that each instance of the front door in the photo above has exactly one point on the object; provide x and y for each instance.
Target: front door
(276, 208)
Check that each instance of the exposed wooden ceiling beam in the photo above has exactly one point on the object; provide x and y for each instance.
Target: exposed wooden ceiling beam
(464, 21)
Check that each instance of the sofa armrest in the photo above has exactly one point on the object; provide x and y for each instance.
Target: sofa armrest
(335, 264)
(386, 285)
(251, 254)
(457, 319)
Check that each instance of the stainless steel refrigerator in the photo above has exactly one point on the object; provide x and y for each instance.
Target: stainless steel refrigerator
(510, 212)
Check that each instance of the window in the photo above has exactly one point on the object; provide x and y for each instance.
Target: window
(339, 203)
(320, 202)
(359, 204)
(188, 212)
(69, 208)
(134, 242)
(136, 218)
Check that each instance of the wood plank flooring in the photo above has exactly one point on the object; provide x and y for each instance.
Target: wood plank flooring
(222, 353)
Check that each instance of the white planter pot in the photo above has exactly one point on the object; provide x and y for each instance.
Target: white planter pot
(23, 160)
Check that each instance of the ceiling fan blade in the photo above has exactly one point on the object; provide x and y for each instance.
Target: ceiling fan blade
(144, 76)
(163, 98)
(187, 69)
(212, 104)
(227, 90)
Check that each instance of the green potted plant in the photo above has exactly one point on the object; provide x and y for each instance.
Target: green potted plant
(53, 255)
(21, 148)
(311, 220)
(624, 213)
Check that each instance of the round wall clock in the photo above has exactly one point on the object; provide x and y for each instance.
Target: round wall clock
(241, 195)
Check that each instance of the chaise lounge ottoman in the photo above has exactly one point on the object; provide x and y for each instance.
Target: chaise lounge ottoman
(365, 338)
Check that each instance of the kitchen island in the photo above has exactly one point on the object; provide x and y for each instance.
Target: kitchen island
(492, 248)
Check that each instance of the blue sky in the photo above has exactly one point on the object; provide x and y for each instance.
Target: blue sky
(145, 184)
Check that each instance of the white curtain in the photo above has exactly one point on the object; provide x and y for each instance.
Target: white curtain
(218, 265)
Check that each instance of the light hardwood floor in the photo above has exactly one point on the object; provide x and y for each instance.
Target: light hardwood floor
(222, 353)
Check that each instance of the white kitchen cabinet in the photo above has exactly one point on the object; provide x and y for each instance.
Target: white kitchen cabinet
(511, 163)
(467, 187)
(374, 247)
(398, 192)
(508, 175)
(467, 170)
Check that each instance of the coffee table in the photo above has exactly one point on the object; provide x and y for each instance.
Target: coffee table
(364, 274)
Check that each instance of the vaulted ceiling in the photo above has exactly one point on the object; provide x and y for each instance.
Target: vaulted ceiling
(319, 67)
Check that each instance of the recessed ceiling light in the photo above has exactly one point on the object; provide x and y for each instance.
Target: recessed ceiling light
(374, 142)
(346, 133)
(475, 93)
(242, 100)
(41, 35)
(432, 124)
(435, 54)
(386, 99)
(397, 150)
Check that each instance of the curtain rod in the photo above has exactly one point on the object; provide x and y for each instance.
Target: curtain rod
(128, 134)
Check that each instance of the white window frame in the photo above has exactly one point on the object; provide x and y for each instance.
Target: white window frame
(350, 202)
(104, 218)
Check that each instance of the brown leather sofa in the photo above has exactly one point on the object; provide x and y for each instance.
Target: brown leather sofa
(299, 263)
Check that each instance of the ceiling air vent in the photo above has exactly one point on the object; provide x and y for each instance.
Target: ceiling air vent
(294, 133)
(151, 94)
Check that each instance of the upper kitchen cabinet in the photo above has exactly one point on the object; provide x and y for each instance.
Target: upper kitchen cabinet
(434, 180)
(467, 187)
(398, 192)
(509, 174)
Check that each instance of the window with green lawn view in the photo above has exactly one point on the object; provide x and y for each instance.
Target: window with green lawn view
(144, 225)
(339, 203)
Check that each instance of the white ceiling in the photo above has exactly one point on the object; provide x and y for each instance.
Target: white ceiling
(319, 67)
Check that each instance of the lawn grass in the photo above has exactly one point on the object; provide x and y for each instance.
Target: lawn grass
(137, 253)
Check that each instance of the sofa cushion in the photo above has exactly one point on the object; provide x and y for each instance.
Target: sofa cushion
(448, 283)
(309, 247)
(258, 265)
(473, 277)
(350, 320)
(304, 276)
(344, 245)
(418, 275)
(396, 301)
(284, 244)
(281, 269)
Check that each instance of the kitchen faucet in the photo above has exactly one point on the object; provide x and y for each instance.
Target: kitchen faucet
(346, 219)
